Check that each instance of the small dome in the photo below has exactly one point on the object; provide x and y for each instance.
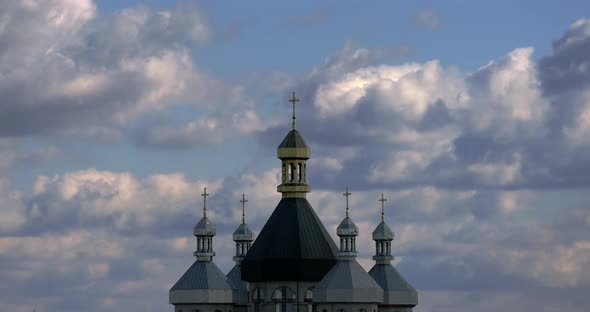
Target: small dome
(204, 228)
(293, 140)
(382, 232)
(293, 146)
(243, 233)
(347, 228)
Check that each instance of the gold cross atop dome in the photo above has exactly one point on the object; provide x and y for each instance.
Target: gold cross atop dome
(346, 194)
(382, 200)
(293, 100)
(205, 194)
(243, 201)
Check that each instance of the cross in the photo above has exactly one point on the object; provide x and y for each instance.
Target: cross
(293, 100)
(382, 200)
(205, 194)
(243, 201)
(346, 194)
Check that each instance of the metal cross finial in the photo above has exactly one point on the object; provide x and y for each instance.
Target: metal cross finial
(382, 200)
(346, 194)
(293, 100)
(205, 194)
(243, 201)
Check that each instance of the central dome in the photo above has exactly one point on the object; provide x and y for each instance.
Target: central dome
(292, 246)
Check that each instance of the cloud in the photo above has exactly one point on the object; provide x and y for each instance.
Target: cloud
(13, 158)
(428, 19)
(502, 126)
(66, 67)
(567, 68)
(119, 237)
(202, 131)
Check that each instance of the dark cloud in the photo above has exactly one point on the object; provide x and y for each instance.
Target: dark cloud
(567, 68)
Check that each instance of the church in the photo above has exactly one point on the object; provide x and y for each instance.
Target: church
(293, 265)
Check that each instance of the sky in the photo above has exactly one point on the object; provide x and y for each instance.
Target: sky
(472, 118)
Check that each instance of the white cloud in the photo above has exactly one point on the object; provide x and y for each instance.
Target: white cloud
(67, 67)
(146, 231)
(428, 19)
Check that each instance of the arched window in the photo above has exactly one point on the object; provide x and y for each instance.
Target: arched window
(309, 295)
(283, 297)
(299, 175)
(257, 295)
(257, 299)
(309, 299)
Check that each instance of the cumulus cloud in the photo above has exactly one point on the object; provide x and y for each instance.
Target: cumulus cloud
(481, 169)
(502, 126)
(113, 234)
(120, 236)
(65, 66)
(202, 131)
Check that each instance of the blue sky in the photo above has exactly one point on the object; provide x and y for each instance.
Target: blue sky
(471, 117)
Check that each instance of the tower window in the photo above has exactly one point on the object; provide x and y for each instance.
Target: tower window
(299, 175)
(291, 172)
(284, 173)
(304, 173)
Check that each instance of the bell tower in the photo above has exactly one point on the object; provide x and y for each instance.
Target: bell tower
(293, 153)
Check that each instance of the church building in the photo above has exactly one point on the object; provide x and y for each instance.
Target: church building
(293, 265)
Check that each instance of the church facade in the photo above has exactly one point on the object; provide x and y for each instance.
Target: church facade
(293, 265)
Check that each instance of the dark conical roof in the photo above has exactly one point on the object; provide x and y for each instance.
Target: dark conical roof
(293, 139)
(292, 246)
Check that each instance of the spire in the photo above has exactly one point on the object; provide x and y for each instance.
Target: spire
(382, 235)
(293, 100)
(243, 201)
(204, 231)
(293, 153)
(205, 194)
(243, 236)
(347, 231)
(382, 200)
(346, 194)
